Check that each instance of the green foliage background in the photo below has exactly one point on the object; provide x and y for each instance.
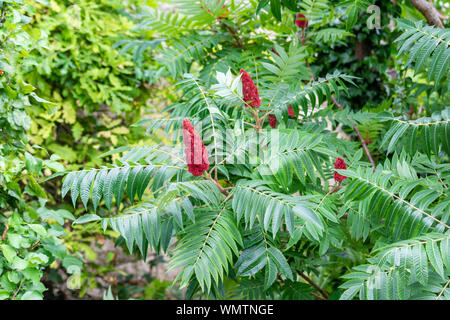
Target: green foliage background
(96, 91)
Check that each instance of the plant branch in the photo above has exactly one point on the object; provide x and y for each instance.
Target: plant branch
(2, 18)
(5, 135)
(319, 289)
(355, 128)
(429, 12)
(34, 244)
(222, 189)
(358, 133)
(17, 291)
(4, 232)
(445, 287)
(303, 40)
(317, 296)
(234, 33)
(255, 115)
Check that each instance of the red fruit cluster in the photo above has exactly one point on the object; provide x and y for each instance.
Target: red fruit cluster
(301, 21)
(339, 164)
(250, 91)
(272, 120)
(196, 153)
(291, 112)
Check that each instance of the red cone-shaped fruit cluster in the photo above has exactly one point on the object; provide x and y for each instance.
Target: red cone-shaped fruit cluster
(291, 112)
(301, 21)
(272, 120)
(339, 164)
(196, 153)
(250, 91)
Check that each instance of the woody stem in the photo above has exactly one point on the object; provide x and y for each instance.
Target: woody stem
(307, 279)
(222, 189)
(360, 137)
(234, 33)
(250, 124)
(303, 39)
(355, 127)
(4, 232)
(257, 120)
(265, 115)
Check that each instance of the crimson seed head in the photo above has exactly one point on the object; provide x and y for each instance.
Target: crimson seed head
(339, 164)
(196, 153)
(301, 21)
(291, 112)
(249, 90)
(272, 120)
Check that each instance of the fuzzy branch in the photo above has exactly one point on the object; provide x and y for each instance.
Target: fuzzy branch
(429, 12)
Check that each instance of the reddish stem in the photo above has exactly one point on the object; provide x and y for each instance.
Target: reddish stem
(4, 232)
